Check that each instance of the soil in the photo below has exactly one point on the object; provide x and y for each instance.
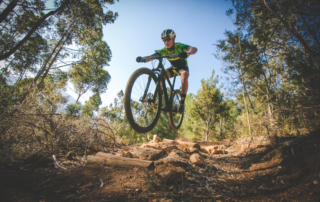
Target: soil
(287, 171)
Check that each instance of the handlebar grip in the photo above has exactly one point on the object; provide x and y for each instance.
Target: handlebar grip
(140, 59)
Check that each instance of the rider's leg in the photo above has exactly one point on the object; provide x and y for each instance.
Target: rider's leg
(184, 75)
(168, 73)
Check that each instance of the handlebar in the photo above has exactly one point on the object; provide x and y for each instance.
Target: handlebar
(165, 56)
(159, 57)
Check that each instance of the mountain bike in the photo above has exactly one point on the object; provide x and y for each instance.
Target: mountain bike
(143, 97)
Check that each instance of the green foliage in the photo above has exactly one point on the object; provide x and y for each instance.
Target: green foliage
(151, 179)
(191, 126)
(276, 62)
(42, 50)
(163, 129)
(74, 108)
(208, 105)
(89, 74)
(91, 105)
(273, 58)
(115, 113)
(41, 128)
(33, 53)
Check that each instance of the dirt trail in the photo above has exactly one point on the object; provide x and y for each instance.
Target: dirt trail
(289, 171)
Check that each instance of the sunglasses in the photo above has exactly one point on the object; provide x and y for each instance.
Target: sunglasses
(166, 39)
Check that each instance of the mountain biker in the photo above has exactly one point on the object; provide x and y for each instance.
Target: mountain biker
(168, 36)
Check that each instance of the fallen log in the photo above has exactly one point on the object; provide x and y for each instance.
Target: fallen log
(112, 160)
(168, 141)
(190, 144)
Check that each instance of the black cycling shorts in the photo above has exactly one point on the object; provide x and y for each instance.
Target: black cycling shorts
(180, 70)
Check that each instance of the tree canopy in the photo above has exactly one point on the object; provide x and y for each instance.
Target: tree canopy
(65, 39)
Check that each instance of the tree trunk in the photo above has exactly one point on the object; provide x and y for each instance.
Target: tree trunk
(31, 32)
(295, 34)
(207, 133)
(250, 102)
(79, 95)
(243, 88)
(269, 102)
(7, 10)
(6, 68)
(246, 107)
(208, 125)
(44, 67)
(53, 60)
(220, 126)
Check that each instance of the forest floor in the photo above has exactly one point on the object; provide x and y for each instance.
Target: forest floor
(289, 171)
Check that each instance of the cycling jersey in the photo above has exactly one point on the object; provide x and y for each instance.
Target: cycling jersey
(179, 63)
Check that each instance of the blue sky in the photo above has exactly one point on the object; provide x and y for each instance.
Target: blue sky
(137, 32)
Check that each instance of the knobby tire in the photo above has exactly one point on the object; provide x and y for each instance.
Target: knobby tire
(171, 114)
(127, 100)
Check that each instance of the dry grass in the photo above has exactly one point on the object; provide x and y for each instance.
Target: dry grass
(37, 128)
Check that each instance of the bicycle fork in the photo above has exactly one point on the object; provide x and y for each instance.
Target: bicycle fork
(159, 86)
(149, 100)
(167, 97)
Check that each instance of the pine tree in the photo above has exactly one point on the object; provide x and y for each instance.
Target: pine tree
(208, 104)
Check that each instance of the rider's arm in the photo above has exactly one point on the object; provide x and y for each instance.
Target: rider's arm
(148, 58)
(192, 50)
(144, 59)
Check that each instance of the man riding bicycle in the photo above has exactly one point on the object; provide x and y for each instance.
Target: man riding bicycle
(168, 36)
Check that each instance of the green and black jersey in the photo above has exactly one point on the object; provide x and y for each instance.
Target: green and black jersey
(176, 62)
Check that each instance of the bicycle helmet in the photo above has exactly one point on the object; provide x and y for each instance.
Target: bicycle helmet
(168, 33)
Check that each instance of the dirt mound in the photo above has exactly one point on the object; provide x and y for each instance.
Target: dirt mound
(259, 171)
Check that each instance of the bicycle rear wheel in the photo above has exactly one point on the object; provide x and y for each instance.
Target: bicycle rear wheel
(142, 106)
(175, 118)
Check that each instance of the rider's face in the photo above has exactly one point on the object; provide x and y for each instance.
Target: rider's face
(168, 43)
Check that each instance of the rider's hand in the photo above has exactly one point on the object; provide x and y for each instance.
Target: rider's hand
(183, 55)
(140, 59)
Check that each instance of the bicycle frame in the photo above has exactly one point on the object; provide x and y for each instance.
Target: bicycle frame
(162, 77)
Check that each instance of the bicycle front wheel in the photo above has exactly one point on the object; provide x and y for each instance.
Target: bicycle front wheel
(175, 118)
(142, 100)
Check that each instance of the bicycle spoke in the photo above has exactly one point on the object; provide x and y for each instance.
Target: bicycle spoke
(143, 112)
(175, 117)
